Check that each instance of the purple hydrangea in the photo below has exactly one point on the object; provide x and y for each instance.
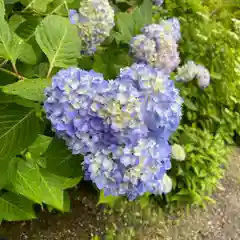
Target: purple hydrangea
(95, 20)
(130, 170)
(157, 45)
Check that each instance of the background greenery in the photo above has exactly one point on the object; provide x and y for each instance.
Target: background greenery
(36, 40)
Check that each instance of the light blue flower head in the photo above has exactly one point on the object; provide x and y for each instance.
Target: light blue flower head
(129, 170)
(157, 45)
(95, 20)
(161, 103)
(68, 107)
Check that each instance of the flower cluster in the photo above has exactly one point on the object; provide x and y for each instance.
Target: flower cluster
(94, 19)
(157, 45)
(122, 126)
(191, 70)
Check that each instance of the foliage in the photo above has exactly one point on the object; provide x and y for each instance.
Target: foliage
(195, 178)
(37, 39)
(207, 41)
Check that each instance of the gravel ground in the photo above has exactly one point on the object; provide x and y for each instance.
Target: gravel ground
(220, 221)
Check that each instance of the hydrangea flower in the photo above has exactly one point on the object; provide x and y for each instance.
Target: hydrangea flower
(95, 19)
(203, 76)
(191, 70)
(130, 170)
(157, 45)
(161, 102)
(67, 106)
(172, 26)
(122, 126)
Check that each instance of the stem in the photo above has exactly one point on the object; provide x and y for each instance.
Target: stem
(15, 68)
(11, 73)
(16, 72)
(49, 71)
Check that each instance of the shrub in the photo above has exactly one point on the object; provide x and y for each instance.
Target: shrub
(38, 41)
(209, 40)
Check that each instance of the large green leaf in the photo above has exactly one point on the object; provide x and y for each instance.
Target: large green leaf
(60, 181)
(32, 184)
(59, 40)
(15, 207)
(19, 127)
(15, 21)
(31, 89)
(39, 5)
(130, 23)
(28, 53)
(7, 170)
(10, 44)
(25, 29)
(60, 161)
(40, 145)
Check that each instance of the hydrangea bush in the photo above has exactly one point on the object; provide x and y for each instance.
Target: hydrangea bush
(105, 91)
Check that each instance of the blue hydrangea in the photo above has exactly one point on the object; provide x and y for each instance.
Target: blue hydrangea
(130, 170)
(172, 26)
(161, 102)
(122, 126)
(68, 107)
(95, 20)
(191, 70)
(157, 45)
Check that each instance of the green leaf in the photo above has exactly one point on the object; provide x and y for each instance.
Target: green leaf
(14, 207)
(31, 89)
(15, 21)
(28, 53)
(2, 9)
(19, 127)
(59, 40)
(59, 181)
(38, 5)
(129, 24)
(60, 161)
(59, 6)
(189, 104)
(8, 170)
(40, 145)
(10, 43)
(27, 28)
(30, 183)
(110, 200)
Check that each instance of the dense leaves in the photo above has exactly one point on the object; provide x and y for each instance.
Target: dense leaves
(37, 39)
